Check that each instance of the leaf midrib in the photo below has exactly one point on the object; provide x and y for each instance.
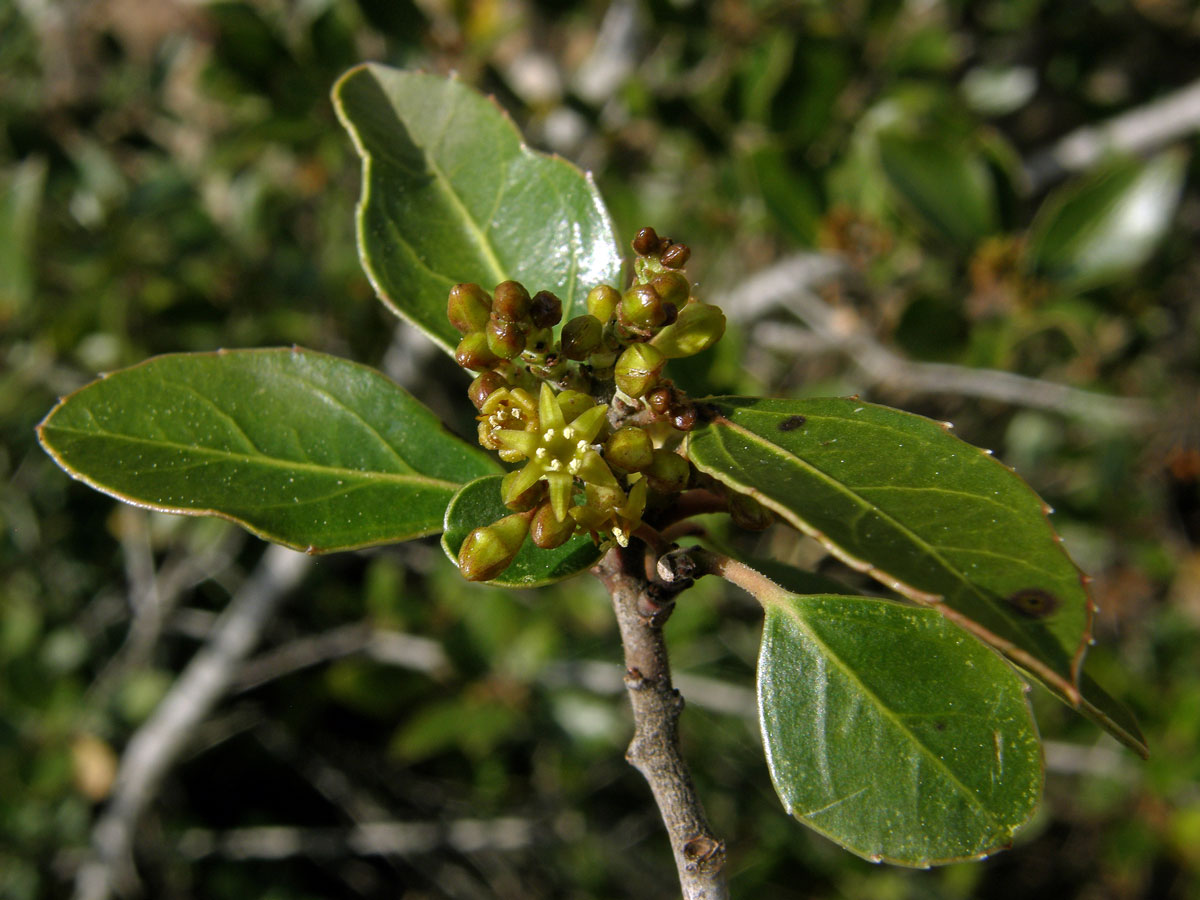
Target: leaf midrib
(268, 461)
(886, 711)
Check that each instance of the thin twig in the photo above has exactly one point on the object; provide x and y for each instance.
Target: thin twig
(368, 839)
(1137, 131)
(790, 284)
(155, 747)
(654, 750)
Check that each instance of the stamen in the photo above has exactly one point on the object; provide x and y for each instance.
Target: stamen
(548, 434)
(581, 447)
(554, 465)
(540, 452)
(568, 433)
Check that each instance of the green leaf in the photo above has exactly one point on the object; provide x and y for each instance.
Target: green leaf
(1104, 227)
(891, 732)
(20, 199)
(304, 449)
(948, 186)
(479, 504)
(897, 496)
(451, 194)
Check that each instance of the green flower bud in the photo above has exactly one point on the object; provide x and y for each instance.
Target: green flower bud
(630, 449)
(468, 308)
(676, 256)
(473, 352)
(669, 472)
(511, 301)
(504, 337)
(488, 551)
(483, 386)
(672, 287)
(602, 302)
(699, 326)
(641, 308)
(646, 242)
(638, 369)
(545, 310)
(581, 336)
(748, 513)
(549, 532)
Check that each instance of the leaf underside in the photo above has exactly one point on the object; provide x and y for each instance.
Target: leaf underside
(892, 732)
(479, 504)
(451, 194)
(303, 449)
(941, 522)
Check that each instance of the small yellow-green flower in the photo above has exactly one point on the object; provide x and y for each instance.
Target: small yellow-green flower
(559, 448)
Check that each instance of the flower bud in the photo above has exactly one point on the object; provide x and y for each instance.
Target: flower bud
(668, 473)
(641, 308)
(699, 326)
(683, 417)
(581, 336)
(672, 287)
(473, 352)
(638, 369)
(748, 513)
(547, 531)
(468, 307)
(504, 337)
(646, 242)
(545, 310)
(602, 302)
(629, 449)
(676, 256)
(488, 551)
(483, 386)
(511, 301)
(660, 399)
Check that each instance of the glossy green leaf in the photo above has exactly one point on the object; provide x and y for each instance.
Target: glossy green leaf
(303, 449)
(478, 504)
(1104, 227)
(946, 185)
(896, 495)
(892, 732)
(451, 194)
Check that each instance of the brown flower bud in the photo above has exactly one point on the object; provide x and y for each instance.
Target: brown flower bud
(581, 336)
(511, 301)
(473, 352)
(660, 399)
(483, 386)
(545, 310)
(468, 307)
(683, 417)
(676, 256)
(645, 242)
(547, 531)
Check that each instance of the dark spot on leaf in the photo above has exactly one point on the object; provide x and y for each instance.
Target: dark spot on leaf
(939, 726)
(1034, 603)
(791, 423)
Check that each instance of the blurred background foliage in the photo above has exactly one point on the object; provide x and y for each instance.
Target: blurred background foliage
(172, 177)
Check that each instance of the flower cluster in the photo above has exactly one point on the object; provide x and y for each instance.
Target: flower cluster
(589, 413)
